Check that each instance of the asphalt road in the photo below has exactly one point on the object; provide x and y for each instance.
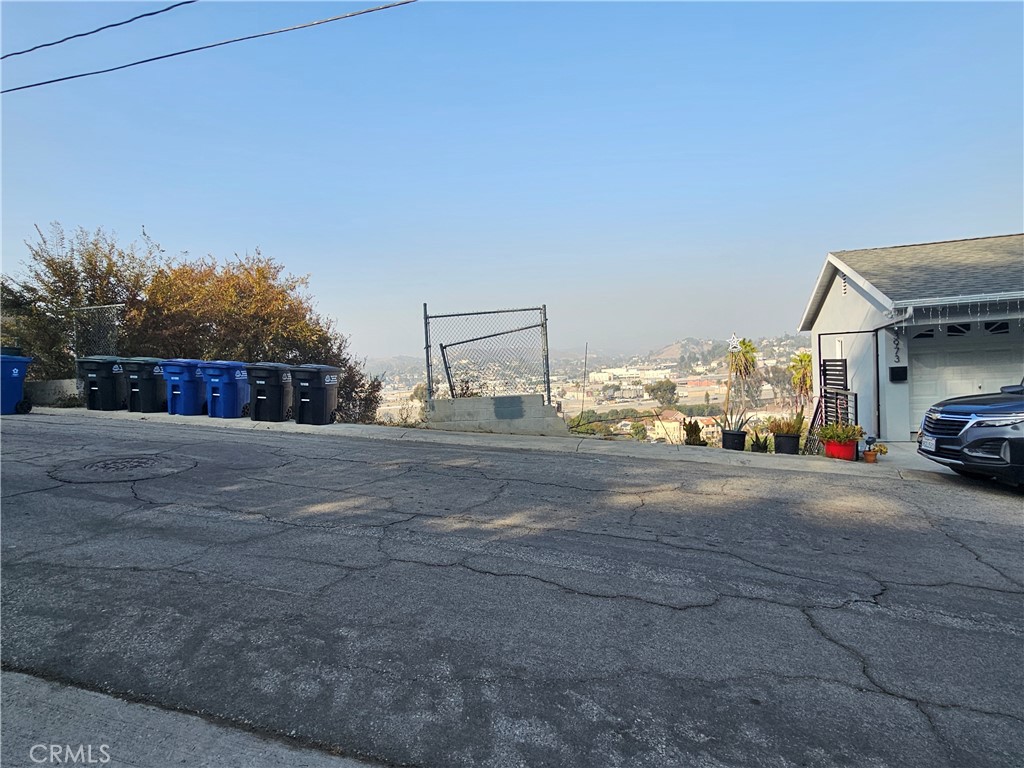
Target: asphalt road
(444, 605)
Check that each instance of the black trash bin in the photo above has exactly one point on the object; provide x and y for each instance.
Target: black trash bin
(315, 393)
(103, 378)
(270, 391)
(144, 381)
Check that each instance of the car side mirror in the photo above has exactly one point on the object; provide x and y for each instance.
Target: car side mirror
(1013, 389)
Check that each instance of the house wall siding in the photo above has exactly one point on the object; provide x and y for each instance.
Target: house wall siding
(842, 316)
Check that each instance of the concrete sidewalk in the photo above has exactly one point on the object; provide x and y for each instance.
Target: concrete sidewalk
(39, 715)
(902, 456)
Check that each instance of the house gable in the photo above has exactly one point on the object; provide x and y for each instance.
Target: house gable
(987, 268)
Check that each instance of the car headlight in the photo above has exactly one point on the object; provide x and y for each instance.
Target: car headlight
(1003, 420)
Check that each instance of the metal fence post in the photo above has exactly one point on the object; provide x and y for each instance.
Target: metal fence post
(544, 350)
(426, 335)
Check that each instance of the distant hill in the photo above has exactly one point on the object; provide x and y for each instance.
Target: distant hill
(398, 364)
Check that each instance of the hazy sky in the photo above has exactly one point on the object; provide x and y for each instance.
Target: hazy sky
(648, 170)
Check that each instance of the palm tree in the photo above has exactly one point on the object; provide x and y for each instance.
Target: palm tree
(742, 364)
(803, 380)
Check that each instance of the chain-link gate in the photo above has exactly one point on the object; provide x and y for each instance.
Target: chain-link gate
(96, 329)
(499, 352)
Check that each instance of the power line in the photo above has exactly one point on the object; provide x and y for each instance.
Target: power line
(211, 45)
(99, 29)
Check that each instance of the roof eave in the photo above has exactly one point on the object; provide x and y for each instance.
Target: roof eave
(832, 266)
(974, 298)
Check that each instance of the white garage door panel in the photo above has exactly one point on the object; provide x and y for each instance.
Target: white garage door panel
(953, 367)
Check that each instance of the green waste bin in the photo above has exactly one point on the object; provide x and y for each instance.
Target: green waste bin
(144, 382)
(103, 377)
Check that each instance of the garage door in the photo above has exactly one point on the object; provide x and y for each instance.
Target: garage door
(962, 359)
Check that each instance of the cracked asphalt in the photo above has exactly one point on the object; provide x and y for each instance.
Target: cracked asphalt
(448, 605)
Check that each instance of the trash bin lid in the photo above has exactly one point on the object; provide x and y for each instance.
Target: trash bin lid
(224, 364)
(278, 371)
(278, 366)
(99, 359)
(16, 359)
(322, 368)
(184, 361)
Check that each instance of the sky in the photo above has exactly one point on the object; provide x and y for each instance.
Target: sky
(648, 171)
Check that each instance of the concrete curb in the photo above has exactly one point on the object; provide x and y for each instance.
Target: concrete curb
(902, 456)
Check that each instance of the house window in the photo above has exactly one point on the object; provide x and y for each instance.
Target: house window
(997, 328)
(929, 334)
(958, 329)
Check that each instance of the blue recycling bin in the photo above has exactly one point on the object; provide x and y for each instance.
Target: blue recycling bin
(186, 392)
(13, 369)
(227, 388)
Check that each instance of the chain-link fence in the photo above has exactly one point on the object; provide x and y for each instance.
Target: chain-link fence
(96, 329)
(499, 352)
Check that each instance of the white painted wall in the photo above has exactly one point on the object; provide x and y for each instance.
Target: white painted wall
(843, 314)
(894, 396)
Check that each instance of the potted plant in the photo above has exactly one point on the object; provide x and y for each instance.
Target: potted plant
(693, 429)
(759, 443)
(840, 440)
(874, 449)
(732, 424)
(787, 431)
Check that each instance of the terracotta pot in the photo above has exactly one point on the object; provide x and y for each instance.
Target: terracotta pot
(846, 451)
(871, 457)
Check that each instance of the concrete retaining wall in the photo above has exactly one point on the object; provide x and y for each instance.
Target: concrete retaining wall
(509, 415)
(49, 392)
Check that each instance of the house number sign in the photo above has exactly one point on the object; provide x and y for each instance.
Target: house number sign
(896, 347)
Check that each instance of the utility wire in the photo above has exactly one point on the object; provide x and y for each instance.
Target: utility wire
(211, 45)
(100, 29)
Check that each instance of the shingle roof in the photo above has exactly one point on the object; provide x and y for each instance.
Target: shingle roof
(985, 265)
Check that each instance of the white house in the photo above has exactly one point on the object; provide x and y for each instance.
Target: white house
(919, 323)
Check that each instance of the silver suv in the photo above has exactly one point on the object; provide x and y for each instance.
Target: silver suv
(978, 435)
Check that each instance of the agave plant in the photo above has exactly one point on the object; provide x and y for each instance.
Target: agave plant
(759, 443)
(732, 421)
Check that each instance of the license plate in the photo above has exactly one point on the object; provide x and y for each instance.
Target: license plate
(928, 443)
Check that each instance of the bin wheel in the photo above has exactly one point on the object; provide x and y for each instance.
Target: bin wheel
(23, 406)
(335, 417)
(288, 414)
(245, 409)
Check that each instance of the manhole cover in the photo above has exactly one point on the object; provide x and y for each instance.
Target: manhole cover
(122, 465)
(120, 469)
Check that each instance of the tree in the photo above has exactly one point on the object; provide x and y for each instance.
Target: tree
(610, 390)
(663, 391)
(781, 382)
(419, 392)
(588, 423)
(743, 365)
(248, 309)
(802, 377)
(63, 274)
(638, 431)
